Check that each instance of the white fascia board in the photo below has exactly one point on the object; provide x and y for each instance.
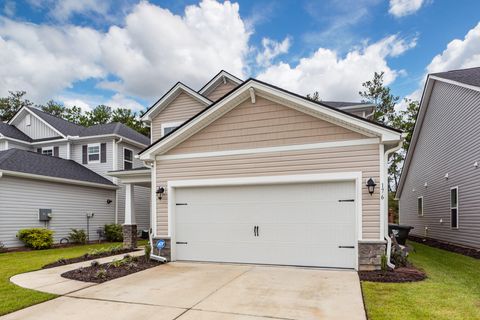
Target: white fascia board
(303, 105)
(135, 143)
(214, 82)
(36, 116)
(172, 94)
(55, 179)
(124, 173)
(357, 106)
(468, 86)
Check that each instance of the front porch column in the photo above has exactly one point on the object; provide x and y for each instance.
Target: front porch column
(129, 227)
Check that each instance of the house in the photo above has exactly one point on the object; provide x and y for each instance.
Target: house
(49, 163)
(438, 189)
(246, 172)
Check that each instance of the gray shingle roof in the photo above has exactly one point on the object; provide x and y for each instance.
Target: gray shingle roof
(10, 131)
(469, 76)
(71, 129)
(341, 104)
(35, 163)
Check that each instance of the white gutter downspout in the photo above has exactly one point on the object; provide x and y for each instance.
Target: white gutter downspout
(387, 237)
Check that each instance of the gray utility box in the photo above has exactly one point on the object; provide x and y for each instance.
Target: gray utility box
(44, 214)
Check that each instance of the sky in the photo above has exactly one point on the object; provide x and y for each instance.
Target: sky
(127, 53)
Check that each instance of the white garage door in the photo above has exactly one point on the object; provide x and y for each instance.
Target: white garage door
(310, 224)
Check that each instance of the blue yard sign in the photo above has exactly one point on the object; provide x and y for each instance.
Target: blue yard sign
(160, 244)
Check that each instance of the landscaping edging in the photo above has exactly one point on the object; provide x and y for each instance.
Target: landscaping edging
(397, 275)
(99, 273)
(470, 252)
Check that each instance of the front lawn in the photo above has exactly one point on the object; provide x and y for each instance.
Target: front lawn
(451, 291)
(13, 297)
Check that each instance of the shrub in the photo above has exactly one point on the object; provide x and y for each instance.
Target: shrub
(2, 247)
(101, 274)
(383, 263)
(113, 232)
(78, 236)
(148, 250)
(36, 238)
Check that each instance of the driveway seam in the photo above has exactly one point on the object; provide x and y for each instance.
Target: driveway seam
(242, 314)
(125, 302)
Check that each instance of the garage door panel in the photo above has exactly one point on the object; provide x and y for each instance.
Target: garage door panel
(299, 224)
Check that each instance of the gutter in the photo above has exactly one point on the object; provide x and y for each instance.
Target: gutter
(387, 237)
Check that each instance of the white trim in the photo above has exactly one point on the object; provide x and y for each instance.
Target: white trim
(382, 186)
(153, 208)
(310, 146)
(460, 84)
(252, 95)
(136, 143)
(321, 177)
(450, 211)
(223, 75)
(6, 144)
(357, 106)
(69, 151)
(55, 179)
(126, 173)
(115, 180)
(169, 97)
(300, 104)
(165, 125)
(99, 152)
(421, 213)
(130, 161)
(48, 148)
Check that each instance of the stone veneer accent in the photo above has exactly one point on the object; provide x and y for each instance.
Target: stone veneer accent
(370, 255)
(129, 236)
(165, 252)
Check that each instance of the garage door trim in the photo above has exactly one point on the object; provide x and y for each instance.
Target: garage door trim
(286, 179)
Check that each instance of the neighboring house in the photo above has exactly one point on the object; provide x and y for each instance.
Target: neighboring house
(247, 172)
(439, 186)
(40, 137)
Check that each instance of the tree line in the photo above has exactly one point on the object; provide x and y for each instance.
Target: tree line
(101, 114)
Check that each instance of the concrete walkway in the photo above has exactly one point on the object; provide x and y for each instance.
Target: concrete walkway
(188, 291)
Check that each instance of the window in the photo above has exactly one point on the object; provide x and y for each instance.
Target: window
(454, 207)
(127, 159)
(93, 152)
(420, 206)
(169, 127)
(28, 120)
(48, 151)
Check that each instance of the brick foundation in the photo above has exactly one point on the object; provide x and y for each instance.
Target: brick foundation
(129, 236)
(370, 255)
(165, 252)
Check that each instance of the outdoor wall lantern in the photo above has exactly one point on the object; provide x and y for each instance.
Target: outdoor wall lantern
(371, 186)
(160, 192)
(109, 201)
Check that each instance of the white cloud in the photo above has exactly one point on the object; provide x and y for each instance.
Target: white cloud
(272, 49)
(9, 8)
(336, 77)
(401, 8)
(156, 48)
(44, 60)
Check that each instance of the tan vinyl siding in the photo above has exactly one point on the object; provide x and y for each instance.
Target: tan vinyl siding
(221, 90)
(364, 158)
(263, 124)
(181, 108)
(447, 143)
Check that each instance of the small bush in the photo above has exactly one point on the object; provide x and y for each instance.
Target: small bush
(101, 274)
(383, 263)
(113, 232)
(78, 236)
(148, 250)
(2, 247)
(36, 238)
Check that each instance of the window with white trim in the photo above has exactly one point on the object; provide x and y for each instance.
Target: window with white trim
(48, 151)
(420, 206)
(127, 159)
(93, 153)
(454, 207)
(169, 127)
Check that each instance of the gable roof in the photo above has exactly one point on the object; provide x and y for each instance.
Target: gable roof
(10, 131)
(219, 78)
(35, 165)
(169, 96)
(115, 128)
(253, 86)
(469, 78)
(65, 127)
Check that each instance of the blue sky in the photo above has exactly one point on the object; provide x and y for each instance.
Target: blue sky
(128, 53)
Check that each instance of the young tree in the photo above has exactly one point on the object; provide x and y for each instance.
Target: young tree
(74, 114)
(54, 108)
(11, 104)
(101, 114)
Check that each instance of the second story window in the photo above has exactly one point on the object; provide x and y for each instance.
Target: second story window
(127, 159)
(93, 152)
(169, 127)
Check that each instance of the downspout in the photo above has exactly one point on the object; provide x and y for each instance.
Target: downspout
(387, 237)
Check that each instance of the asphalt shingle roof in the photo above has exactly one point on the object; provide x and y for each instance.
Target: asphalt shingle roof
(35, 163)
(469, 76)
(65, 127)
(341, 104)
(10, 131)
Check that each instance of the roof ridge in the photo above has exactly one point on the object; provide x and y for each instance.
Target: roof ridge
(453, 70)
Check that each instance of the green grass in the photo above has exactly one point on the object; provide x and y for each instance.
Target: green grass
(13, 297)
(452, 290)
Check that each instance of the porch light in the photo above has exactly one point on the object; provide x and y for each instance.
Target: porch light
(371, 186)
(160, 192)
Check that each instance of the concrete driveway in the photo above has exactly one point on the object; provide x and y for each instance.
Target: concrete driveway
(188, 291)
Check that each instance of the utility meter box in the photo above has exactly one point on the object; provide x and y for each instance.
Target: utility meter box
(44, 214)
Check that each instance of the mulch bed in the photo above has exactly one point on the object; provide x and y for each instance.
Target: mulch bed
(108, 271)
(474, 253)
(86, 257)
(408, 274)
